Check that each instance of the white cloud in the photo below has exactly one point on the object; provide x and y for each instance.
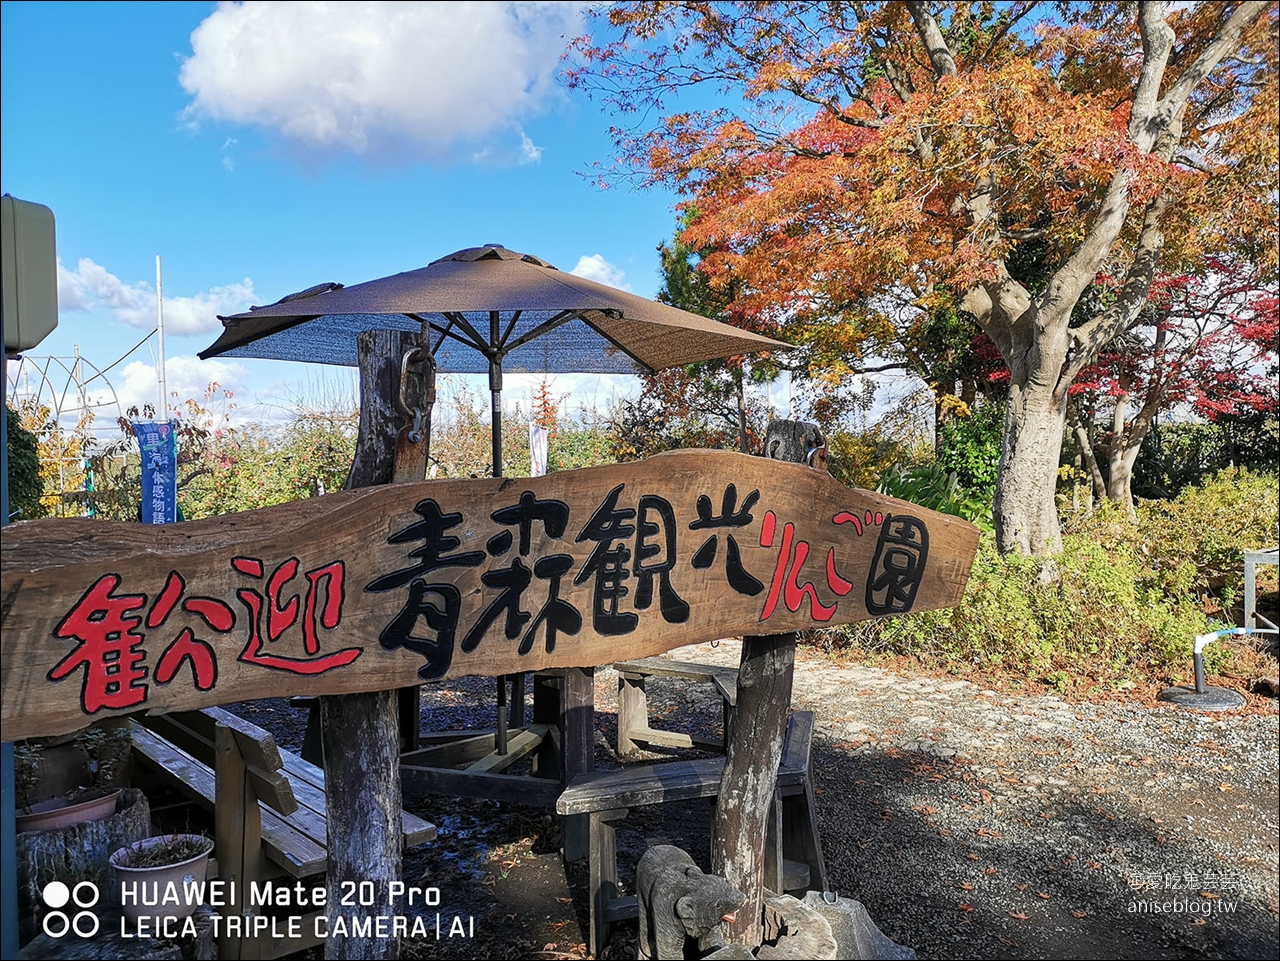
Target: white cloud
(91, 286)
(228, 158)
(595, 267)
(185, 375)
(374, 77)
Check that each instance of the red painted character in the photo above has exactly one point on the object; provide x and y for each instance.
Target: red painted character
(280, 617)
(109, 649)
(787, 572)
(216, 615)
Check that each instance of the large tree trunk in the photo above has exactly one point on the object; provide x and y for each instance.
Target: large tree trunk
(1123, 456)
(1026, 514)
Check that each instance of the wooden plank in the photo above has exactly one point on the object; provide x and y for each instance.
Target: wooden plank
(460, 750)
(496, 787)
(728, 687)
(308, 785)
(362, 590)
(641, 784)
(523, 744)
(685, 670)
(187, 730)
(633, 710)
(799, 741)
(299, 855)
(654, 736)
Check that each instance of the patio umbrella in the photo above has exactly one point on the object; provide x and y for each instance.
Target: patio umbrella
(488, 309)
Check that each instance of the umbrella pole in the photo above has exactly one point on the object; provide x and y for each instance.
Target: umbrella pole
(495, 415)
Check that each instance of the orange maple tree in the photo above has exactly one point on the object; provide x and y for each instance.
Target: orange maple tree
(879, 161)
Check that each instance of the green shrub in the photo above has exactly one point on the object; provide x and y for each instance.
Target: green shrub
(1085, 614)
(929, 485)
(25, 484)
(1126, 596)
(971, 448)
(1196, 542)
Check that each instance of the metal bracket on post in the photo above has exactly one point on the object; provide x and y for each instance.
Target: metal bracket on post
(413, 443)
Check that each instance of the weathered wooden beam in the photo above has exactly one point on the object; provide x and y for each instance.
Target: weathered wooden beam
(753, 749)
(367, 590)
(361, 731)
(363, 801)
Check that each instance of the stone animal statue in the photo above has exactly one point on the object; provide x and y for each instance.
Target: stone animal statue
(797, 441)
(678, 903)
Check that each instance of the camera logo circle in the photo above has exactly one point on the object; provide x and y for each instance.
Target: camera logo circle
(57, 895)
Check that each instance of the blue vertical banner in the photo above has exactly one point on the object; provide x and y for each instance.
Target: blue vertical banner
(158, 443)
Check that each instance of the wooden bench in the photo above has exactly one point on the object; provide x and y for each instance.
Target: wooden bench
(608, 797)
(633, 702)
(268, 806)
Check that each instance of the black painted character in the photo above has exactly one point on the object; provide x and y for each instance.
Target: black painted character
(609, 565)
(740, 579)
(898, 566)
(675, 610)
(558, 615)
(438, 604)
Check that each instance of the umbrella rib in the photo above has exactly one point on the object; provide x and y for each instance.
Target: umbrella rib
(559, 320)
(443, 332)
(459, 318)
(643, 366)
(475, 343)
(502, 342)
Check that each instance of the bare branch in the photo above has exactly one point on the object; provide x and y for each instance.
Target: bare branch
(944, 64)
(1221, 46)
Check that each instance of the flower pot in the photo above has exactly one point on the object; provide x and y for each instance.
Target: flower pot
(57, 813)
(162, 890)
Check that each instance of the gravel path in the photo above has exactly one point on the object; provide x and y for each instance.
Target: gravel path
(974, 823)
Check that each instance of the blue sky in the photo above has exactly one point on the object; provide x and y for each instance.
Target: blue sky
(261, 149)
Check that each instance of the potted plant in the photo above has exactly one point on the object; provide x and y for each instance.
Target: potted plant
(162, 876)
(64, 781)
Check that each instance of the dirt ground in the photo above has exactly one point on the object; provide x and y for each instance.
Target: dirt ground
(971, 822)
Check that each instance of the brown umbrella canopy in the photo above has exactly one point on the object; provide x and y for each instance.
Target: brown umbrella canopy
(532, 318)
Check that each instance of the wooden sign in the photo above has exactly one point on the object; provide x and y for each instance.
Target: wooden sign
(388, 586)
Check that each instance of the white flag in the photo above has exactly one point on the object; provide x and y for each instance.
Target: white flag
(537, 450)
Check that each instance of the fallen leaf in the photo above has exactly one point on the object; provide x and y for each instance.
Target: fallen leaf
(1019, 915)
(990, 870)
(965, 907)
(965, 886)
(1044, 895)
(1199, 921)
(973, 857)
(1079, 914)
(1022, 887)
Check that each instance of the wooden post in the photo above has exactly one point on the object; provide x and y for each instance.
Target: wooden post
(753, 748)
(361, 732)
(238, 830)
(364, 804)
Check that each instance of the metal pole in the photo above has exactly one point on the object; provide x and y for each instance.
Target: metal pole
(495, 392)
(8, 789)
(162, 412)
